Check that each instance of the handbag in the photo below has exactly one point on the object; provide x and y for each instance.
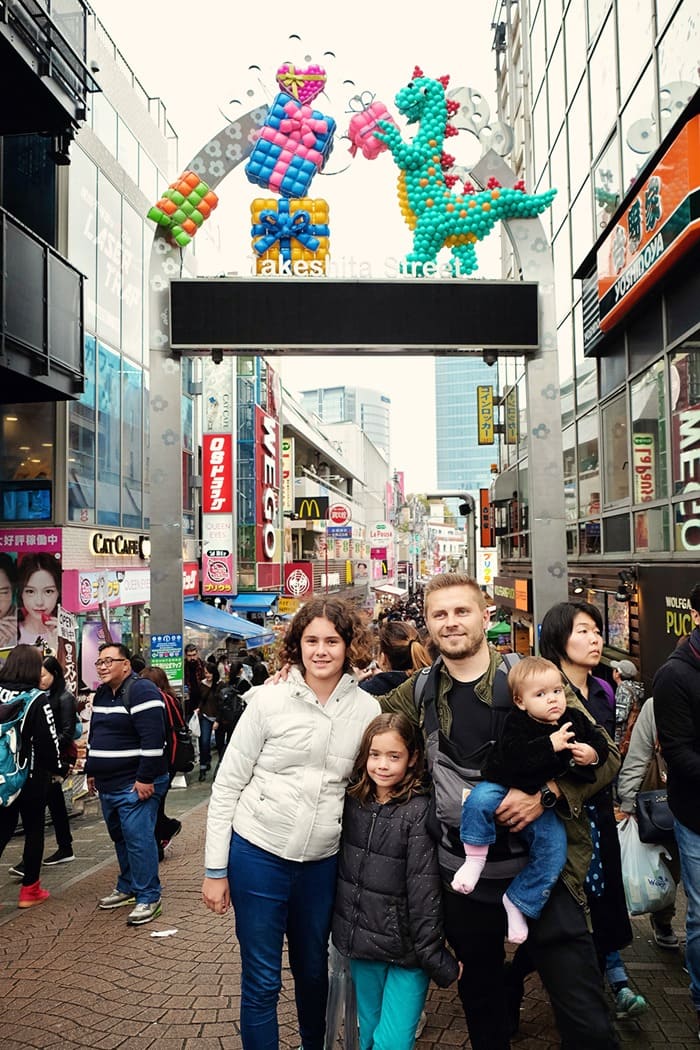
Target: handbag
(183, 751)
(654, 818)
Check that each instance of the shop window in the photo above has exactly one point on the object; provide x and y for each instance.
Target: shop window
(616, 534)
(82, 445)
(109, 456)
(588, 467)
(649, 443)
(27, 462)
(613, 366)
(617, 623)
(615, 443)
(652, 530)
(589, 537)
(685, 445)
(572, 542)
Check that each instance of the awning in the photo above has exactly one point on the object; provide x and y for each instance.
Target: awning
(199, 614)
(388, 588)
(253, 602)
(504, 487)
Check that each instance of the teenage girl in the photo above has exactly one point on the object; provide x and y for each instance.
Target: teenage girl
(388, 908)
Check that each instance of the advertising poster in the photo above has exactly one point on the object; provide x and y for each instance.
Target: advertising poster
(30, 587)
(217, 555)
(93, 637)
(166, 653)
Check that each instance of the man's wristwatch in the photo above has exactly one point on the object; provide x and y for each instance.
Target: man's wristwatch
(547, 797)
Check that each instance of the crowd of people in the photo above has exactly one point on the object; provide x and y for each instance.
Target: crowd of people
(400, 790)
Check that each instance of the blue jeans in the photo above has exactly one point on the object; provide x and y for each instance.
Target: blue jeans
(273, 897)
(206, 726)
(131, 825)
(389, 1003)
(545, 837)
(689, 849)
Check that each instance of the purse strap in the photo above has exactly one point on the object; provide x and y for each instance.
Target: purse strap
(656, 774)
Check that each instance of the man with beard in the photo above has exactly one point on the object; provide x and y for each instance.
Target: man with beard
(461, 703)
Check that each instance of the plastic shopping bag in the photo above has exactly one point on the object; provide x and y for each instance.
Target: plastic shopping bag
(648, 882)
(194, 726)
(341, 1006)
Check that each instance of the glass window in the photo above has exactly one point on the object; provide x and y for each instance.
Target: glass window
(645, 335)
(634, 39)
(640, 131)
(537, 50)
(522, 418)
(540, 134)
(82, 226)
(586, 383)
(132, 444)
(588, 467)
(104, 122)
(663, 10)
(569, 453)
(565, 351)
(603, 86)
(651, 530)
(561, 252)
(575, 39)
(108, 283)
(579, 136)
(616, 480)
(27, 462)
(148, 177)
(608, 184)
(128, 152)
(132, 283)
(616, 533)
(81, 444)
(556, 86)
(685, 443)
(109, 455)
(597, 9)
(613, 366)
(187, 453)
(589, 537)
(147, 461)
(553, 15)
(582, 236)
(559, 170)
(678, 62)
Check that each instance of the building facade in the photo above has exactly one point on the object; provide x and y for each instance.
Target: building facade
(370, 409)
(603, 100)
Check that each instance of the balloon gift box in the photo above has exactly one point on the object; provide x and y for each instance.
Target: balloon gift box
(184, 206)
(290, 236)
(363, 124)
(294, 144)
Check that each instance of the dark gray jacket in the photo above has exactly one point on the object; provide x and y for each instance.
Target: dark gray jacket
(388, 905)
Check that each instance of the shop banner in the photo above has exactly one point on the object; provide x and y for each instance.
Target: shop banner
(288, 474)
(267, 486)
(68, 648)
(217, 555)
(190, 579)
(217, 473)
(30, 586)
(86, 591)
(298, 579)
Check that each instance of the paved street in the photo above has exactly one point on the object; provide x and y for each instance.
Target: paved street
(73, 976)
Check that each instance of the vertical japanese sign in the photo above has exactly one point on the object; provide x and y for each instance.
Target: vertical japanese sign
(484, 415)
(218, 480)
(288, 474)
(267, 494)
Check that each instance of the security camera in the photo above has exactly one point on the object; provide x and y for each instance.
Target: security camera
(217, 355)
(490, 357)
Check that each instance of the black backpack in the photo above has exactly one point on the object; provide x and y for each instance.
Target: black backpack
(231, 706)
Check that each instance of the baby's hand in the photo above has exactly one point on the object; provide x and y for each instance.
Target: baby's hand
(583, 754)
(562, 737)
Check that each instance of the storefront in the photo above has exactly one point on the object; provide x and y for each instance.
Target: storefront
(515, 595)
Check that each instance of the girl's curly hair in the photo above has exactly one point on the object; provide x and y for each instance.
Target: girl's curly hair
(347, 622)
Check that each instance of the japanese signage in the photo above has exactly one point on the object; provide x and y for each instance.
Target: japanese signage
(660, 225)
(30, 587)
(166, 653)
(298, 579)
(512, 417)
(217, 554)
(86, 591)
(217, 473)
(512, 593)
(267, 473)
(190, 579)
(488, 536)
(484, 414)
(288, 473)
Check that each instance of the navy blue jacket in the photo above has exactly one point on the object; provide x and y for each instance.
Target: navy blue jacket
(127, 735)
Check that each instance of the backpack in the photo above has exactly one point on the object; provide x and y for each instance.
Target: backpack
(181, 752)
(231, 705)
(14, 770)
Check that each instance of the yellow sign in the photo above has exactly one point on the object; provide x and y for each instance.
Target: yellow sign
(288, 605)
(484, 409)
(511, 418)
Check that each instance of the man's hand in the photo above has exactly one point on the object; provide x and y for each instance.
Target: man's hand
(216, 895)
(518, 809)
(144, 791)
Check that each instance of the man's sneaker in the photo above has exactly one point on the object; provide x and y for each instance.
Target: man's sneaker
(664, 934)
(116, 899)
(627, 1004)
(17, 870)
(143, 913)
(61, 856)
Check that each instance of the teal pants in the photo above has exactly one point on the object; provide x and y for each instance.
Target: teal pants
(389, 1004)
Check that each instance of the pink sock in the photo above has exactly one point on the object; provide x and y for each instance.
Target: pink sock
(469, 874)
(517, 923)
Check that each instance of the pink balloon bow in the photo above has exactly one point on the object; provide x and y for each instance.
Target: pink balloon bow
(301, 125)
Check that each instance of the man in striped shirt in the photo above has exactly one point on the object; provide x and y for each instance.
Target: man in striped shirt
(127, 765)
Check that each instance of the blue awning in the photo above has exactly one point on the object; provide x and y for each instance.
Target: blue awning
(199, 614)
(259, 602)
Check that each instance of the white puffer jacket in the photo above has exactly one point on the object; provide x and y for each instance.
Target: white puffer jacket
(281, 783)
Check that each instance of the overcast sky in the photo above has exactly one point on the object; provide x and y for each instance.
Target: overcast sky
(200, 58)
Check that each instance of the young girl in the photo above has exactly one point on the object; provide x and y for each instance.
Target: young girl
(388, 908)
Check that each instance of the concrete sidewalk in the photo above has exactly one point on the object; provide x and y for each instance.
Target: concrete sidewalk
(73, 976)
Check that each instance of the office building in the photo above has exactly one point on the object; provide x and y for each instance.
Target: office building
(370, 409)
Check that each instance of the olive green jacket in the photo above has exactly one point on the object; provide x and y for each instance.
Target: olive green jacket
(574, 792)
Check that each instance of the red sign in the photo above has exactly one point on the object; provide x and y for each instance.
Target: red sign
(267, 474)
(488, 535)
(190, 579)
(298, 579)
(339, 514)
(217, 471)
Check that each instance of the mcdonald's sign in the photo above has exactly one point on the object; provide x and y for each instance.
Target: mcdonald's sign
(311, 508)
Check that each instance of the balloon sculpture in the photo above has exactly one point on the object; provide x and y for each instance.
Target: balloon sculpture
(438, 216)
(290, 236)
(184, 206)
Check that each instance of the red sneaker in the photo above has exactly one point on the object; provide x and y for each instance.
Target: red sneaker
(31, 895)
